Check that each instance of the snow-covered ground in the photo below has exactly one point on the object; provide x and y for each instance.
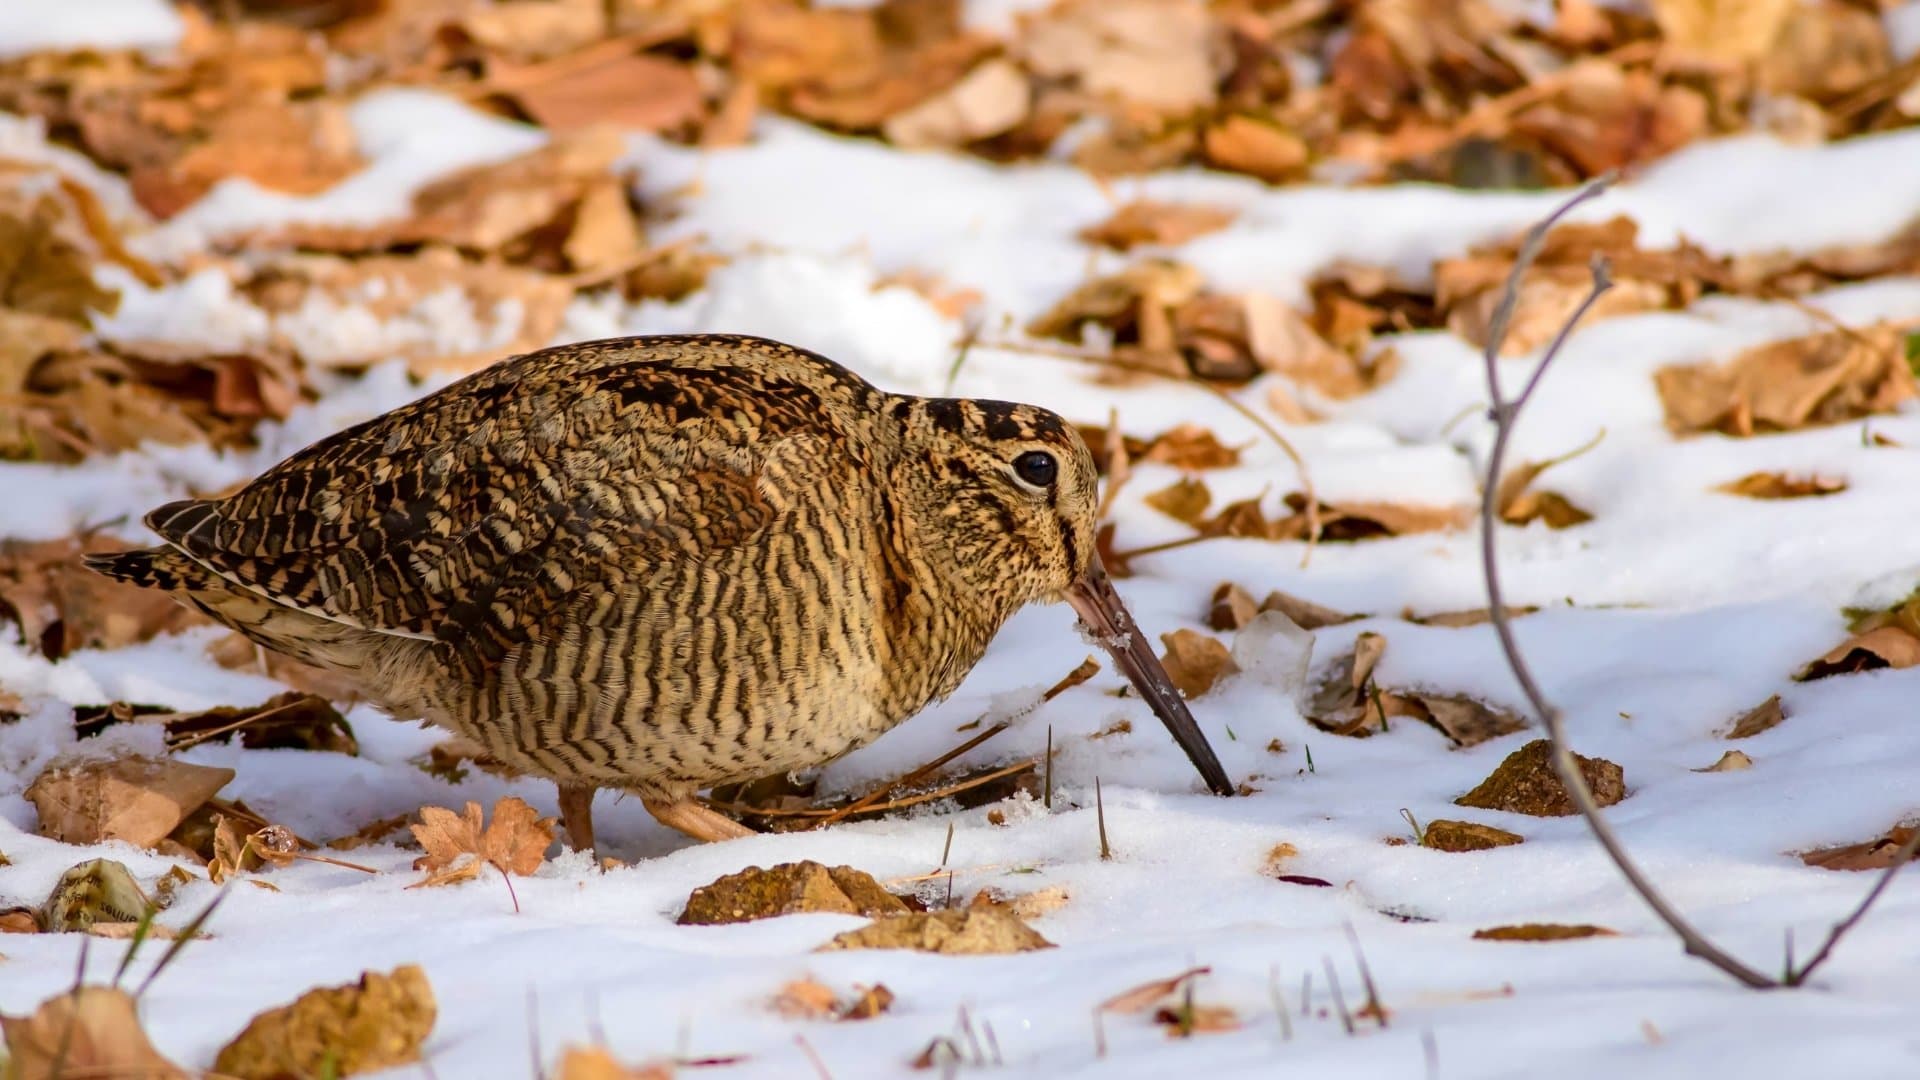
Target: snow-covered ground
(1672, 612)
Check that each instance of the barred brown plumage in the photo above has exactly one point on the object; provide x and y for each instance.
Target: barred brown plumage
(659, 563)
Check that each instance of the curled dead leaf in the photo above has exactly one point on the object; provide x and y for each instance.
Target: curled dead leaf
(1775, 485)
(956, 932)
(88, 1031)
(1761, 717)
(1195, 661)
(1149, 222)
(138, 800)
(1526, 783)
(1822, 378)
(1890, 646)
(1541, 932)
(377, 1023)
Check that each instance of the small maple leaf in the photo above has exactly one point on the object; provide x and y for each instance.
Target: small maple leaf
(457, 845)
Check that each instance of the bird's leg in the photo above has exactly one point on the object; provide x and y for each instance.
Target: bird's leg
(695, 820)
(576, 813)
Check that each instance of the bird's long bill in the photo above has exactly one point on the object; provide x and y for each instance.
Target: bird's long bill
(1112, 625)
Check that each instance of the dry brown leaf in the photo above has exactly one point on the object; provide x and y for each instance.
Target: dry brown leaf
(1256, 147)
(1185, 1019)
(1305, 614)
(60, 606)
(606, 236)
(954, 932)
(1762, 717)
(1285, 343)
(1775, 485)
(1195, 661)
(788, 889)
(1822, 378)
(1731, 761)
(1874, 854)
(610, 84)
(1548, 506)
(1231, 607)
(1186, 499)
(515, 842)
(596, 1063)
(377, 1023)
(89, 1031)
(299, 148)
(1167, 55)
(1891, 646)
(991, 99)
(1541, 932)
(806, 999)
(1736, 30)
(138, 800)
(1140, 998)
(1526, 783)
(1147, 221)
(1190, 447)
(95, 891)
(1458, 836)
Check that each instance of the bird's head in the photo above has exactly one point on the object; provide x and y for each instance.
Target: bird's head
(1009, 494)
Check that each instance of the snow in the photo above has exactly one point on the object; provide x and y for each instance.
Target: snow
(101, 25)
(1670, 614)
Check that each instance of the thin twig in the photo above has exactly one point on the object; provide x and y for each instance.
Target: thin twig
(1900, 859)
(1373, 1007)
(1279, 1003)
(1504, 413)
(1100, 815)
(1339, 999)
(813, 1056)
(878, 808)
(870, 798)
(1254, 418)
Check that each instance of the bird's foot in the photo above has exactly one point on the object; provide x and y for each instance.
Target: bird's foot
(695, 820)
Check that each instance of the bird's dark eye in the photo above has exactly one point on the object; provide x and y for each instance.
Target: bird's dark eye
(1036, 467)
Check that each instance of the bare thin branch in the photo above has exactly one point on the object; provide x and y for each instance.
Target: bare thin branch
(1504, 414)
(1900, 859)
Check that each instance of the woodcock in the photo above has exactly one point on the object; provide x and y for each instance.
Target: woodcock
(660, 564)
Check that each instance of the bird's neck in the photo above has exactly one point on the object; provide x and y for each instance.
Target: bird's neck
(950, 608)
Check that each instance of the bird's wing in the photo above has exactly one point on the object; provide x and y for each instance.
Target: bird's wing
(474, 514)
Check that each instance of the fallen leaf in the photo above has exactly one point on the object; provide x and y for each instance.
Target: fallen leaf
(1163, 55)
(1449, 835)
(1140, 998)
(95, 891)
(1257, 147)
(1761, 717)
(515, 842)
(138, 800)
(1892, 646)
(1464, 720)
(1185, 500)
(788, 889)
(290, 721)
(596, 1063)
(806, 999)
(605, 236)
(1231, 608)
(1731, 761)
(1739, 30)
(872, 1001)
(60, 606)
(1875, 854)
(1277, 858)
(1541, 932)
(991, 99)
(1146, 221)
(1774, 485)
(1822, 378)
(1185, 1019)
(1189, 447)
(1305, 613)
(605, 84)
(1194, 661)
(87, 1031)
(1525, 783)
(377, 1023)
(951, 932)
(1284, 342)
